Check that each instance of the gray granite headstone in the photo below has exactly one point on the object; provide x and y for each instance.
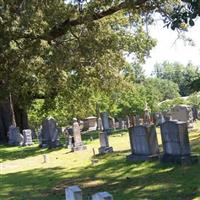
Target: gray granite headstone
(176, 145)
(105, 122)
(182, 113)
(27, 133)
(104, 144)
(102, 196)
(73, 193)
(144, 144)
(49, 134)
(195, 113)
(15, 137)
(78, 144)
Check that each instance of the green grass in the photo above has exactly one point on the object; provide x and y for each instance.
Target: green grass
(24, 176)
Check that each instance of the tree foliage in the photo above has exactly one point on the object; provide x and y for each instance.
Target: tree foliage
(179, 74)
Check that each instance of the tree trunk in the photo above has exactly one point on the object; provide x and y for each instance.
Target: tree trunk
(10, 114)
(5, 120)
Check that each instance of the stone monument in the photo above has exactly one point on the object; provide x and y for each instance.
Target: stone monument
(105, 122)
(14, 136)
(27, 133)
(102, 196)
(78, 144)
(144, 144)
(104, 144)
(49, 136)
(182, 113)
(100, 125)
(176, 144)
(73, 193)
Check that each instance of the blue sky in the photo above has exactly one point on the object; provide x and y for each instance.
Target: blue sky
(173, 50)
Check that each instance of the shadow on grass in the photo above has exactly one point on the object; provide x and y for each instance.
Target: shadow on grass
(125, 180)
(14, 153)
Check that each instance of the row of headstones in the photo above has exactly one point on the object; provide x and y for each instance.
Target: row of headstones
(175, 140)
(17, 139)
(75, 193)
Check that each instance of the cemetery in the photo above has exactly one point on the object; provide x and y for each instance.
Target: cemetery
(95, 105)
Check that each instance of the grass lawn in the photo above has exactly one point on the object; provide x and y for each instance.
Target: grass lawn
(24, 176)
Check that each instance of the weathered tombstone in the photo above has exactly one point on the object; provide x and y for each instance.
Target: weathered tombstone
(102, 196)
(92, 122)
(182, 113)
(167, 115)
(144, 144)
(15, 137)
(195, 113)
(78, 144)
(105, 122)
(73, 193)
(147, 118)
(69, 134)
(100, 125)
(176, 144)
(49, 136)
(159, 119)
(127, 122)
(33, 134)
(104, 144)
(27, 133)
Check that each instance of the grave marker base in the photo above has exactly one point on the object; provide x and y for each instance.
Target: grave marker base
(104, 150)
(135, 157)
(79, 148)
(179, 159)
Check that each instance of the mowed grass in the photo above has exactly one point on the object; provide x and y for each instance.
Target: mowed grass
(24, 176)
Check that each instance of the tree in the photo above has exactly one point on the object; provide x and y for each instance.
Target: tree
(179, 74)
(55, 53)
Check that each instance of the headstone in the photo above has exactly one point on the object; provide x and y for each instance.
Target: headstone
(33, 134)
(104, 144)
(127, 122)
(27, 133)
(78, 144)
(100, 125)
(69, 134)
(176, 144)
(92, 122)
(195, 113)
(144, 144)
(182, 113)
(102, 196)
(73, 193)
(105, 122)
(14, 136)
(159, 119)
(49, 134)
(147, 118)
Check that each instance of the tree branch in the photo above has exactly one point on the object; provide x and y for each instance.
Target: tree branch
(62, 28)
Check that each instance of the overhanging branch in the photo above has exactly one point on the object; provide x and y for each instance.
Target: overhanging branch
(61, 29)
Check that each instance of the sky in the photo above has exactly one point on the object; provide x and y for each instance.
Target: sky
(170, 49)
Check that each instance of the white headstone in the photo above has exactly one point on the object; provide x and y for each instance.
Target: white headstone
(102, 196)
(73, 193)
(27, 133)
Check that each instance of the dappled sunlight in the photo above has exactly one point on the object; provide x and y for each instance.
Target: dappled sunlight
(34, 179)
